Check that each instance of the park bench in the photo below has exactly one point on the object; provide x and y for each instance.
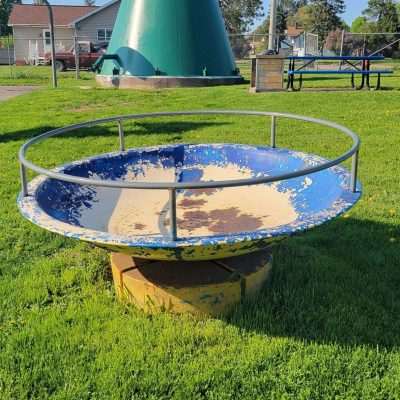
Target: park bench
(353, 69)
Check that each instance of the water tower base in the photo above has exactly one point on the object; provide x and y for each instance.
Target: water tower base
(202, 288)
(163, 82)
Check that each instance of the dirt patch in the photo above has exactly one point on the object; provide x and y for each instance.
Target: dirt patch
(228, 220)
(8, 92)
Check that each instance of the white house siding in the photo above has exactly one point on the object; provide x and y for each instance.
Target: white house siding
(29, 44)
(104, 19)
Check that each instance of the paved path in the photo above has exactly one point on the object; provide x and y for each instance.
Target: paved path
(7, 92)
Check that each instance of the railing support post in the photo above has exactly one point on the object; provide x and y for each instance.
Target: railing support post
(273, 131)
(24, 181)
(121, 136)
(172, 214)
(354, 171)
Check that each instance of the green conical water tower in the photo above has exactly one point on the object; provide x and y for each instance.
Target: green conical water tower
(168, 43)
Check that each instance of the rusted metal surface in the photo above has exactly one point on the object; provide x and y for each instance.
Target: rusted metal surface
(204, 288)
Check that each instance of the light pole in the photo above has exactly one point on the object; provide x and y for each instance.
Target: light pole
(272, 26)
(53, 47)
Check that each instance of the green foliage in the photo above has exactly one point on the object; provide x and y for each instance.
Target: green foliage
(240, 14)
(325, 327)
(324, 17)
(5, 11)
(303, 18)
(6, 41)
(286, 10)
(382, 16)
(384, 13)
(320, 17)
(360, 25)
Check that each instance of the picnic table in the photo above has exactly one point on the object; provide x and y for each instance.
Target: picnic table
(353, 65)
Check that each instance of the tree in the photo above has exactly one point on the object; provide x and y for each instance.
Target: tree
(287, 9)
(90, 3)
(384, 14)
(240, 14)
(5, 11)
(360, 25)
(303, 18)
(323, 16)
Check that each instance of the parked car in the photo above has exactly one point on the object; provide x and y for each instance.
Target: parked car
(89, 53)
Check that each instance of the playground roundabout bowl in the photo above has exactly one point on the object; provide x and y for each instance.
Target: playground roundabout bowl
(186, 202)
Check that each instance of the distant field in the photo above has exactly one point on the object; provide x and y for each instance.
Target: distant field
(326, 326)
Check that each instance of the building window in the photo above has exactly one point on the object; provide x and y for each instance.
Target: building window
(47, 38)
(104, 35)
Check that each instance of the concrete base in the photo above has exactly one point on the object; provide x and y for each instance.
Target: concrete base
(204, 288)
(163, 82)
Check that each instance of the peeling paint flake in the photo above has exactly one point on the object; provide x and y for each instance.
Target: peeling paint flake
(212, 223)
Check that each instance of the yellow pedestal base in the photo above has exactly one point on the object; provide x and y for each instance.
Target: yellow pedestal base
(204, 288)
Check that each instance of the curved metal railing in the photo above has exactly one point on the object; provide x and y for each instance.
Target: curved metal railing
(174, 186)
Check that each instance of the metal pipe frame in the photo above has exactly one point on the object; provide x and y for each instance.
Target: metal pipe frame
(273, 132)
(25, 164)
(173, 219)
(121, 133)
(188, 185)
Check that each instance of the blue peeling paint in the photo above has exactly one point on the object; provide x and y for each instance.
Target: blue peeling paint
(316, 198)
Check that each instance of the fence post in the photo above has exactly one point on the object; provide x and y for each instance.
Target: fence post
(24, 181)
(354, 171)
(76, 47)
(305, 43)
(273, 132)
(9, 56)
(341, 49)
(121, 133)
(53, 45)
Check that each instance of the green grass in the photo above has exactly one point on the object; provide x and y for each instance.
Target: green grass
(41, 75)
(6, 41)
(327, 325)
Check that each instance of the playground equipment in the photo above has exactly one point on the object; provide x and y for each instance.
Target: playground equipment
(168, 43)
(190, 226)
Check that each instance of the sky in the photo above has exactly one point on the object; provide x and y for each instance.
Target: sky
(354, 7)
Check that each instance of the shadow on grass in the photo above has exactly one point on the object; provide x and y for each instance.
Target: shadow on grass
(339, 283)
(141, 128)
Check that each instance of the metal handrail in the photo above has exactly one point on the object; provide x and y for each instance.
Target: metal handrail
(174, 186)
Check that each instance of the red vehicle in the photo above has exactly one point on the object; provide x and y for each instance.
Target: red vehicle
(89, 53)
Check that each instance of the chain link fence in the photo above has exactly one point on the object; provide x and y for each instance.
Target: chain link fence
(342, 43)
(22, 57)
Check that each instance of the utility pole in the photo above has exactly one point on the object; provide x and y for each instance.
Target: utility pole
(272, 26)
(53, 46)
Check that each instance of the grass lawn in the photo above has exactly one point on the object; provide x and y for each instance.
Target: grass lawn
(327, 325)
